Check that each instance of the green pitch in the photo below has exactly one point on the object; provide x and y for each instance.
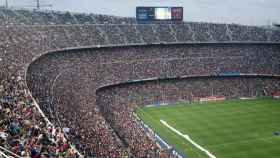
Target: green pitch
(230, 129)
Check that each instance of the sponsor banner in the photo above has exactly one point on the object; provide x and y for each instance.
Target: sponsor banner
(212, 98)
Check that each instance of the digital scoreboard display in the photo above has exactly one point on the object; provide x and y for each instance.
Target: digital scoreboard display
(163, 14)
(159, 13)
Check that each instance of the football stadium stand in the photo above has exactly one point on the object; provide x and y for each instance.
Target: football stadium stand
(87, 73)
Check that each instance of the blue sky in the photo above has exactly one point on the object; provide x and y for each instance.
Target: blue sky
(251, 12)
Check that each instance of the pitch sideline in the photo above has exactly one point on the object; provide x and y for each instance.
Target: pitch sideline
(188, 139)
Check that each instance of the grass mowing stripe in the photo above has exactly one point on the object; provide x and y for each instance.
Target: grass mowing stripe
(242, 141)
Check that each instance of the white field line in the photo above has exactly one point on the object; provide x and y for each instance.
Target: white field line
(188, 139)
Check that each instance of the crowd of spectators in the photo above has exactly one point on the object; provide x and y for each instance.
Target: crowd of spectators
(23, 130)
(19, 44)
(77, 74)
(130, 96)
(64, 83)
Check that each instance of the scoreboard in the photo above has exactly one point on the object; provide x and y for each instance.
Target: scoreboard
(159, 13)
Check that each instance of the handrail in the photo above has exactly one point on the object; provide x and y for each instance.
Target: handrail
(4, 155)
(10, 152)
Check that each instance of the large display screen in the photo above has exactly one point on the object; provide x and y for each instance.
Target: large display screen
(159, 13)
(163, 13)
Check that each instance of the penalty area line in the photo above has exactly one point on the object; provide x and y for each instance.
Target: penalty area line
(187, 137)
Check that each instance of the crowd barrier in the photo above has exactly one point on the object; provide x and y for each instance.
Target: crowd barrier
(159, 141)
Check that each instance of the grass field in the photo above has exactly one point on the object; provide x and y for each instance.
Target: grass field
(230, 129)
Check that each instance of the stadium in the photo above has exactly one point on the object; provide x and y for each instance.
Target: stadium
(89, 85)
